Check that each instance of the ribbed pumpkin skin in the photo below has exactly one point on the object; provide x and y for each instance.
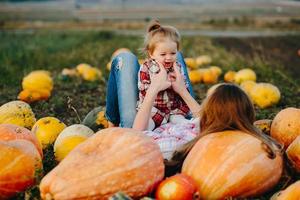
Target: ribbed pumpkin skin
(19, 162)
(285, 126)
(17, 112)
(112, 160)
(231, 163)
(11, 132)
(293, 153)
(290, 193)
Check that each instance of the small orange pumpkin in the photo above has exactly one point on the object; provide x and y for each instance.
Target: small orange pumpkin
(231, 163)
(286, 126)
(229, 76)
(177, 187)
(12, 132)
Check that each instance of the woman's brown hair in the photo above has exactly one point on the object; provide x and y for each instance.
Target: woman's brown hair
(157, 33)
(228, 108)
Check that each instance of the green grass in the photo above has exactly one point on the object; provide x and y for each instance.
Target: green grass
(55, 50)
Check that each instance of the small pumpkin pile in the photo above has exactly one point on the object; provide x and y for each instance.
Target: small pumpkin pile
(208, 75)
(20, 159)
(262, 94)
(37, 85)
(200, 61)
(285, 129)
(88, 73)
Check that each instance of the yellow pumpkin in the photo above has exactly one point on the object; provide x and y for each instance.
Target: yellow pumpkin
(191, 63)
(82, 67)
(30, 96)
(229, 76)
(91, 74)
(292, 192)
(67, 145)
(47, 129)
(195, 76)
(244, 75)
(209, 77)
(88, 72)
(231, 164)
(293, 153)
(18, 113)
(203, 60)
(69, 138)
(108, 65)
(69, 72)
(141, 61)
(216, 70)
(265, 95)
(285, 127)
(38, 80)
(112, 160)
(247, 86)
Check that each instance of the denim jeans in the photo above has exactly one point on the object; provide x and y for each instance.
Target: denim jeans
(122, 88)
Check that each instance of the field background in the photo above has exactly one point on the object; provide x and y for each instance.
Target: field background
(52, 35)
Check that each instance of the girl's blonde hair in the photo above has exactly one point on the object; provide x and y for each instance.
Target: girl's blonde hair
(157, 33)
(228, 108)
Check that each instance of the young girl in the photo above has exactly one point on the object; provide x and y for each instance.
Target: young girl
(159, 101)
(227, 108)
(122, 89)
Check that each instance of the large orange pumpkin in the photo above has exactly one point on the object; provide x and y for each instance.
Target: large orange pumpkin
(112, 160)
(13, 132)
(286, 126)
(231, 164)
(20, 163)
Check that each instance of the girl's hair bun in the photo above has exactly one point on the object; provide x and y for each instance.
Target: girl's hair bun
(154, 25)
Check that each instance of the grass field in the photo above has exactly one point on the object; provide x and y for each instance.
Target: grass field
(274, 60)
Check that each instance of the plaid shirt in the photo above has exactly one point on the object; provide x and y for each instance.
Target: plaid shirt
(167, 102)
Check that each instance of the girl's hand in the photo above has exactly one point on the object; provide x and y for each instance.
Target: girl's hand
(160, 80)
(178, 83)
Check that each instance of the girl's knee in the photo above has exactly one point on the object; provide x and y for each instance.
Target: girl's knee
(125, 60)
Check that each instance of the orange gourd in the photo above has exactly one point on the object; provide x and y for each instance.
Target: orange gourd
(12, 132)
(20, 163)
(231, 164)
(293, 153)
(177, 187)
(290, 193)
(112, 160)
(286, 126)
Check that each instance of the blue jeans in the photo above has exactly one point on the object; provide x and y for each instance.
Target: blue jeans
(122, 88)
